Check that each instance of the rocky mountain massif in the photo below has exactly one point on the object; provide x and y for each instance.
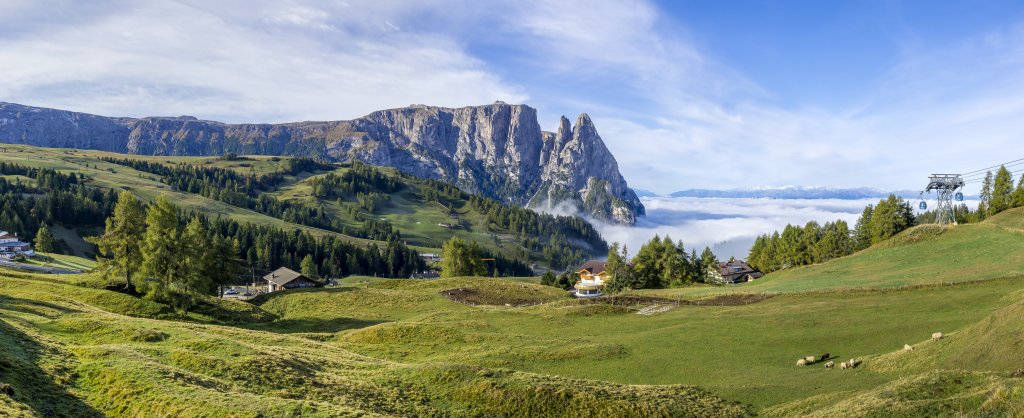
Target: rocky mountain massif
(496, 150)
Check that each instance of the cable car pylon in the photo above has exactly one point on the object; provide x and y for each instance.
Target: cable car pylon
(947, 189)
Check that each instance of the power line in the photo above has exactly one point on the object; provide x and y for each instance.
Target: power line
(982, 175)
(989, 168)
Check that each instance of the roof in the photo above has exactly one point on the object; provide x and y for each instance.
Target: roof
(6, 235)
(593, 266)
(283, 276)
(726, 269)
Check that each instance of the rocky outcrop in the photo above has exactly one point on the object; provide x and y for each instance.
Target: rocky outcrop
(496, 150)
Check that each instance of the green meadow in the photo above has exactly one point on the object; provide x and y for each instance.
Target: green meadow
(73, 345)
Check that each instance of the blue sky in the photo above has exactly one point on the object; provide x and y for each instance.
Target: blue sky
(687, 94)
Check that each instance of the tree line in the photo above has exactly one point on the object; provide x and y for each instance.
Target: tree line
(998, 193)
(660, 263)
(813, 243)
(50, 198)
(249, 191)
(170, 255)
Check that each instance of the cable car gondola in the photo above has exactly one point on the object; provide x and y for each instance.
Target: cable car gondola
(959, 197)
(922, 205)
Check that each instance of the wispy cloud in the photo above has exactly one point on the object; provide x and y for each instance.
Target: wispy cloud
(674, 115)
(252, 61)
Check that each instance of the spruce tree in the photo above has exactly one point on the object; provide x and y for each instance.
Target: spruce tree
(120, 246)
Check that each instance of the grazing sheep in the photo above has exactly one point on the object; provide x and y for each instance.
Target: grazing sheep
(830, 365)
(844, 365)
(801, 362)
(810, 359)
(937, 336)
(908, 347)
(825, 357)
(854, 362)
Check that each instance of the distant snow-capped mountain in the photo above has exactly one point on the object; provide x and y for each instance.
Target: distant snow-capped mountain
(797, 192)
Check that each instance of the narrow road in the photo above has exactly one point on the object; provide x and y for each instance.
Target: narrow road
(51, 270)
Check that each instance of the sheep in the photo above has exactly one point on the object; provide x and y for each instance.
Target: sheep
(908, 347)
(830, 365)
(844, 365)
(801, 362)
(810, 359)
(936, 336)
(854, 362)
(825, 357)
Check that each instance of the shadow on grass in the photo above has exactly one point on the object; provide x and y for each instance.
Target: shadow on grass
(299, 326)
(34, 307)
(27, 382)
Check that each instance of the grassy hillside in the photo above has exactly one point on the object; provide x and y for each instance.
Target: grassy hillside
(72, 351)
(419, 220)
(922, 256)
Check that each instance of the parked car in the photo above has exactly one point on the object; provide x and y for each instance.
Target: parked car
(231, 291)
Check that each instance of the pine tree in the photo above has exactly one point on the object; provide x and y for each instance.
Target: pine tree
(162, 261)
(1002, 191)
(120, 252)
(44, 240)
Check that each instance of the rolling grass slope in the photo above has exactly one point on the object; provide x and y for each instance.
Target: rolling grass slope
(66, 350)
(922, 256)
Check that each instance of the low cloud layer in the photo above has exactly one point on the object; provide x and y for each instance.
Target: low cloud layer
(729, 226)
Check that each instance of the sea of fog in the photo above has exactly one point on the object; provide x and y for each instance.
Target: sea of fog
(729, 226)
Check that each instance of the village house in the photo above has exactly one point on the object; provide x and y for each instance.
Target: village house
(734, 271)
(286, 278)
(592, 279)
(11, 246)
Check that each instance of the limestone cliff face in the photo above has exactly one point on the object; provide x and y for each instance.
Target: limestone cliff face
(496, 150)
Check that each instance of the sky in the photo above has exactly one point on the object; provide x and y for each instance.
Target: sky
(686, 94)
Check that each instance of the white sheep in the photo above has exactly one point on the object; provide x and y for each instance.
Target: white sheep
(936, 336)
(810, 359)
(908, 347)
(801, 362)
(854, 362)
(830, 364)
(844, 365)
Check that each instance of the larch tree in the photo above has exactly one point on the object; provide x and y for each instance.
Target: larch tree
(44, 240)
(308, 267)
(1002, 192)
(120, 246)
(862, 229)
(985, 196)
(199, 259)
(162, 258)
(461, 259)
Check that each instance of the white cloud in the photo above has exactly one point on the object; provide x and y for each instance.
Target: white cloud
(248, 61)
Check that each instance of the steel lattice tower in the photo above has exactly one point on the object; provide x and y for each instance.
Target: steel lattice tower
(945, 187)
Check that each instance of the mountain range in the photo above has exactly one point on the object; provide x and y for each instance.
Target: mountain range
(797, 192)
(497, 150)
